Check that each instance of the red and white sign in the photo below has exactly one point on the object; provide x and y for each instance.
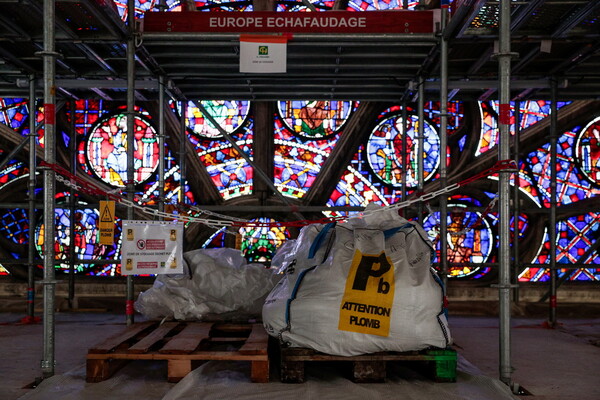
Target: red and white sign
(291, 22)
(152, 247)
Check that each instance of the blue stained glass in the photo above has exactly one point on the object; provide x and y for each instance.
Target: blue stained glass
(470, 237)
(14, 225)
(571, 184)
(384, 149)
(587, 149)
(82, 238)
(531, 112)
(575, 235)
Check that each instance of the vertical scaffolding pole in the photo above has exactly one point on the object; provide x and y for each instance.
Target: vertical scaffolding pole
(130, 138)
(182, 164)
(31, 211)
(49, 55)
(504, 58)
(161, 145)
(443, 146)
(72, 254)
(516, 205)
(405, 164)
(552, 228)
(420, 146)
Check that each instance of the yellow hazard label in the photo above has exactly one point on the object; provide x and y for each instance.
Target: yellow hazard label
(369, 295)
(106, 225)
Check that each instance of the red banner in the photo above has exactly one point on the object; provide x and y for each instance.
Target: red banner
(293, 22)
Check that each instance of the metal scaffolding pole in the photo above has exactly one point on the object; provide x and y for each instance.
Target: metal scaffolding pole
(516, 205)
(182, 142)
(49, 282)
(552, 228)
(420, 146)
(31, 212)
(161, 146)
(73, 151)
(405, 164)
(443, 145)
(130, 139)
(504, 286)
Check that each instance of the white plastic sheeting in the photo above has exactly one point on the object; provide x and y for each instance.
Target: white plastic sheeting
(219, 281)
(219, 380)
(360, 287)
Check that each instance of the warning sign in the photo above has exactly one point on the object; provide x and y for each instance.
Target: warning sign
(107, 222)
(369, 295)
(152, 247)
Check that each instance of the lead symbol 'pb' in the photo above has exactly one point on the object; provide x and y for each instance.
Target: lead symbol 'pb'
(367, 268)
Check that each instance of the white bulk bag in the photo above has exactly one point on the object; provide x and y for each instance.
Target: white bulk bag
(359, 287)
(220, 282)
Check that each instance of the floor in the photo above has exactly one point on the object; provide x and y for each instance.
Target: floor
(550, 364)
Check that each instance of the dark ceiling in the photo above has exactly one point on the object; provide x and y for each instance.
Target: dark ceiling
(555, 40)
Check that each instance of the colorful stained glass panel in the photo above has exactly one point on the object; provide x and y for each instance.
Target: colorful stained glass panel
(384, 150)
(315, 119)
(106, 149)
(587, 151)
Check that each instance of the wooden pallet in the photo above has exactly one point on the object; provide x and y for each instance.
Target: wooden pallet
(369, 368)
(183, 345)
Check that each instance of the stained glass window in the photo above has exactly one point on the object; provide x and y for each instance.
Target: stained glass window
(531, 112)
(587, 151)
(294, 5)
(14, 225)
(106, 149)
(259, 243)
(296, 167)
(230, 173)
(84, 236)
(354, 190)
(571, 185)
(370, 5)
(143, 6)
(13, 112)
(575, 236)
(230, 115)
(223, 5)
(216, 240)
(384, 150)
(470, 238)
(315, 119)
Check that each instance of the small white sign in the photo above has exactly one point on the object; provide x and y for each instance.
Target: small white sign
(152, 247)
(263, 54)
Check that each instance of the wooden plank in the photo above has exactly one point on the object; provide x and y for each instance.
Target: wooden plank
(152, 338)
(257, 341)
(369, 371)
(114, 341)
(188, 339)
(227, 327)
(178, 369)
(197, 355)
(100, 370)
(259, 371)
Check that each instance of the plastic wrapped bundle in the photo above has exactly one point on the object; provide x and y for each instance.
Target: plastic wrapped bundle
(359, 287)
(219, 281)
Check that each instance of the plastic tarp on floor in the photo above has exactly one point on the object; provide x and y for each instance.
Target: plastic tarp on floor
(231, 380)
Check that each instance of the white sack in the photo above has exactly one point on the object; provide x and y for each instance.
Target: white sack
(220, 281)
(310, 306)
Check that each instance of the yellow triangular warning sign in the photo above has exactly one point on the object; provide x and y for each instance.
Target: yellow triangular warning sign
(107, 222)
(106, 215)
